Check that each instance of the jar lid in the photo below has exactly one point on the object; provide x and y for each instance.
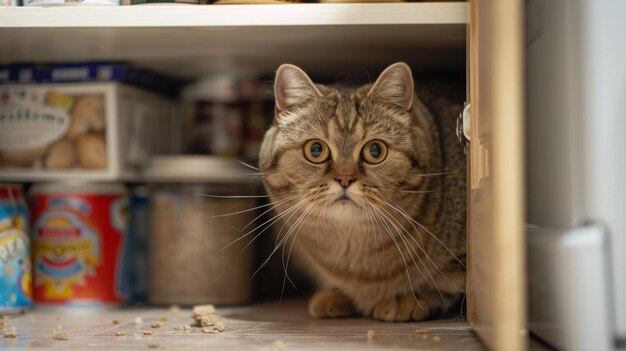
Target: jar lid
(78, 186)
(198, 169)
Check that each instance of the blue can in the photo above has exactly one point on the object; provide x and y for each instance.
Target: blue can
(137, 255)
(16, 292)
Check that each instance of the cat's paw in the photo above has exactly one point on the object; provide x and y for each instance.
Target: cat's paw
(330, 303)
(402, 309)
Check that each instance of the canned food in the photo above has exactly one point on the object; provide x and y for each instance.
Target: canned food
(79, 241)
(15, 267)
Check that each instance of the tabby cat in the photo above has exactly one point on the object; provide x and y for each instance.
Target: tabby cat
(369, 185)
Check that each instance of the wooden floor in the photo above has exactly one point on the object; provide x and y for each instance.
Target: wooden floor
(268, 326)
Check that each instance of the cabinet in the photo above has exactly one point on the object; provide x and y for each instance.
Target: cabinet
(190, 41)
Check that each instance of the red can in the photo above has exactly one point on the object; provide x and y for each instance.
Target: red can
(79, 241)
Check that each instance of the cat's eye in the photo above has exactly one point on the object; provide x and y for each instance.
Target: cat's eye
(316, 151)
(374, 151)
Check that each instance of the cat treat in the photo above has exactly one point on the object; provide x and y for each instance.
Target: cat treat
(60, 334)
(10, 333)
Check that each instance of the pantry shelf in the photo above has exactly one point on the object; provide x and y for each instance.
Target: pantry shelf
(234, 15)
(188, 41)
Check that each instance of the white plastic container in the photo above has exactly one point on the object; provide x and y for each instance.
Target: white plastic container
(103, 131)
(196, 250)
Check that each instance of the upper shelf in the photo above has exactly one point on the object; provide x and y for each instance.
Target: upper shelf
(194, 40)
(234, 15)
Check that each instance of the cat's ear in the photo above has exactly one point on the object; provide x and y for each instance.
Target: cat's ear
(292, 87)
(395, 86)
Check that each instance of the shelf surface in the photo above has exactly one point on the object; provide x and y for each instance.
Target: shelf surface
(189, 41)
(233, 15)
(257, 327)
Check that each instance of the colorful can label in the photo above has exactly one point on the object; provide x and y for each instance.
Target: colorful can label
(78, 248)
(15, 265)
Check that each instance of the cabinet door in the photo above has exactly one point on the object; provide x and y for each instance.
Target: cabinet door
(496, 283)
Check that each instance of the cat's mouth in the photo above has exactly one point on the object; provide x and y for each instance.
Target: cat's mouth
(344, 198)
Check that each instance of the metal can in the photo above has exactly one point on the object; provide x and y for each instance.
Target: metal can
(137, 257)
(79, 243)
(15, 265)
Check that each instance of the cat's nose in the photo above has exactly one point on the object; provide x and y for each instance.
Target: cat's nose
(345, 180)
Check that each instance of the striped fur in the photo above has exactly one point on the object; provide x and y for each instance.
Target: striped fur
(396, 251)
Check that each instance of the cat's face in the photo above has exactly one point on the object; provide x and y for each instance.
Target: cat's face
(335, 151)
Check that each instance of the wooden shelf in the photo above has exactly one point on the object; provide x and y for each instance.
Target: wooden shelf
(192, 40)
(233, 15)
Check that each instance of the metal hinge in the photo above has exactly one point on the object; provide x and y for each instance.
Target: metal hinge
(463, 125)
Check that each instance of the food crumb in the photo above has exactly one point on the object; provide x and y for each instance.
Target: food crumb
(147, 332)
(120, 333)
(436, 338)
(178, 327)
(153, 345)
(422, 331)
(219, 326)
(209, 330)
(157, 325)
(138, 320)
(60, 334)
(174, 309)
(11, 333)
(370, 334)
(279, 345)
(117, 321)
(209, 320)
(162, 319)
(202, 310)
(424, 336)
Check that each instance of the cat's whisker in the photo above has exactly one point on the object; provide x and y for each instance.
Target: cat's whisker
(275, 204)
(406, 267)
(417, 191)
(274, 219)
(292, 209)
(375, 232)
(399, 229)
(317, 228)
(286, 265)
(233, 196)
(244, 211)
(434, 174)
(277, 246)
(408, 244)
(249, 166)
(404, 214)
(409, 235)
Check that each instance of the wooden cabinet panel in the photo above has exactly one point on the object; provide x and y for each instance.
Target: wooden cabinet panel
(496, 281)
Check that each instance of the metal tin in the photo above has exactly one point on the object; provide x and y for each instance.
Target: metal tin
(79, 242)
(11, 2)
(15, 266)
(137, 256)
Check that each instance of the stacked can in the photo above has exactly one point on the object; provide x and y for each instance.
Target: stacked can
(79, 241)
(15, 266)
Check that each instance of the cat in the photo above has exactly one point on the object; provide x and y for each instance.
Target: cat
(369, 187)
